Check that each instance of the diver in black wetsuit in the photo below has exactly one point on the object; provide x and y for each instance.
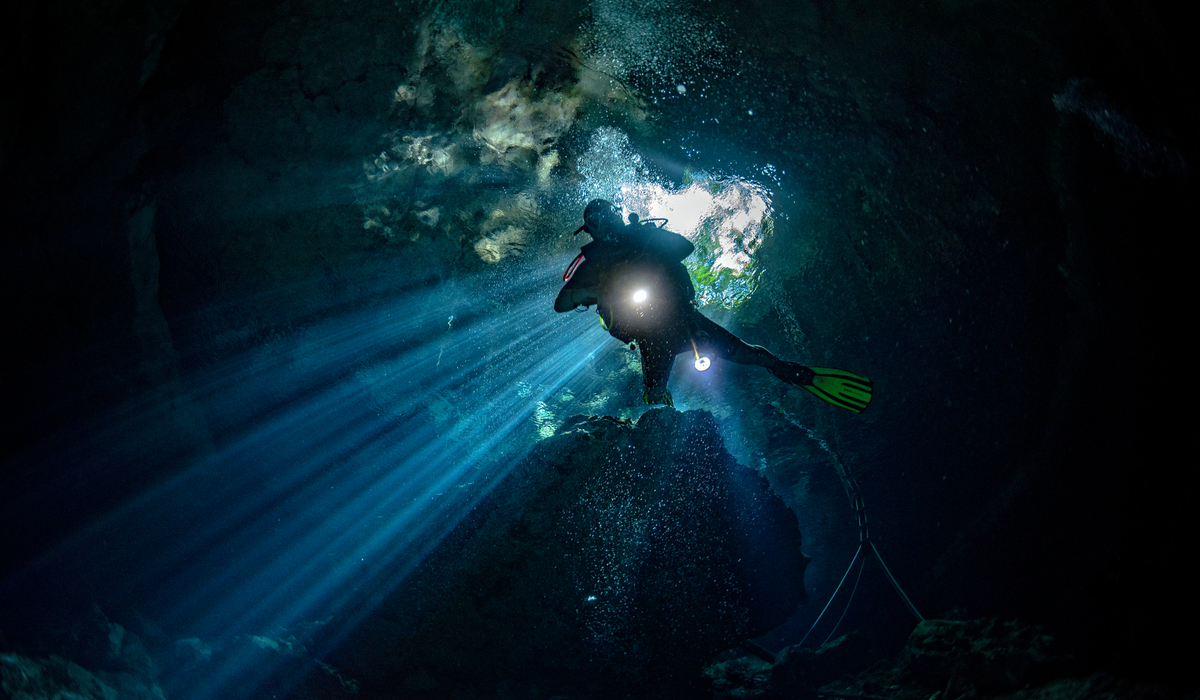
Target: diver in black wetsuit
(634, 274)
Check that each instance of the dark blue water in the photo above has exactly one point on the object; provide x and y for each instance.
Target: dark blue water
(282, 305)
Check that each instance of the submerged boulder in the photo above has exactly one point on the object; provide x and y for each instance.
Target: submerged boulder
(943, 659)
(985, 654)
(617, 558)
(791, 673)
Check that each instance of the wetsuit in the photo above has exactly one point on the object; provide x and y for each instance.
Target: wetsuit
(644, 257)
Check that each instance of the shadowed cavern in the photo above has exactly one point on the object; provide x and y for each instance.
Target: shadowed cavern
(279, 281)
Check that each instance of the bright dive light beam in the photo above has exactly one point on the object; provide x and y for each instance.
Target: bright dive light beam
(702, 363)
(640, 296)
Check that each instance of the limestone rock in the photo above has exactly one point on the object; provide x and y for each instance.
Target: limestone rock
(989, 654)
(618, 556)
(814, 667)
(942, 660)
(963, 658)
(54, 677)
(794, 672)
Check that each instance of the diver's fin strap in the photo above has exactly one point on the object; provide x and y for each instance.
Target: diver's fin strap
(840, 388)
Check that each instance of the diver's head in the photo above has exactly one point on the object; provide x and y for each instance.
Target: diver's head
(602, 220)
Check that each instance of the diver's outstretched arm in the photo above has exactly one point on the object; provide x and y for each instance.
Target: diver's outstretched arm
(569, 299)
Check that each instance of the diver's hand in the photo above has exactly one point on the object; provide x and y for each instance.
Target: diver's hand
(569, 299)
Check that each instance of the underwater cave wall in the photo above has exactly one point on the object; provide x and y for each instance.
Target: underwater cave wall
(618, 557)
(187, 183)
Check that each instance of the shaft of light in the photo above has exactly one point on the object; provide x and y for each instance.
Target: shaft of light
(342, 454)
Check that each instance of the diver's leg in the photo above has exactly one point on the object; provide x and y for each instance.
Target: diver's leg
(726, 345)
(730, 347)
(658, 356)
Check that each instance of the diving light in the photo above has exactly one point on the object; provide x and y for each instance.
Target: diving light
(640, 296)
(702, 363)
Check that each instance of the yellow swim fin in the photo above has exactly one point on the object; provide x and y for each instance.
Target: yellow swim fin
(840, 388)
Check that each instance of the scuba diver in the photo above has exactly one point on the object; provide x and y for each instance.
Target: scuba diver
(633, 273)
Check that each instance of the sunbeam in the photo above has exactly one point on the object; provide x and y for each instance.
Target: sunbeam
(341, 463)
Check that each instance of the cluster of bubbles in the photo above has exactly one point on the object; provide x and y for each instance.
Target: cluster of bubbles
(662, 40)
(609, 163)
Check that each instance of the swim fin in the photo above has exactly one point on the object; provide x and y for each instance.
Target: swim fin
(840, 388)
(658, 397)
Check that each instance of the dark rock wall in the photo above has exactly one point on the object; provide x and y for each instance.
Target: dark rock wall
(617, 557)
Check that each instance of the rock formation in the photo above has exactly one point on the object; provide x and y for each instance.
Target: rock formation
(617, 557)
